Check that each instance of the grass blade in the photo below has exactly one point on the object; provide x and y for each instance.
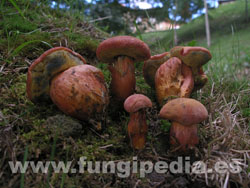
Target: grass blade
(19, 48)
(138, 31)
(18, 9)
(64, 174)
(52, 156)
(24, 160)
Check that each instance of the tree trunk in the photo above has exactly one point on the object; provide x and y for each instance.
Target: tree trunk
(207, 25)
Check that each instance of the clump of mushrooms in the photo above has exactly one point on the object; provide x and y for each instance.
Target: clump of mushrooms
(185, 114)
(120, 53)
(173, 79)
(137, 127)
(77, 89)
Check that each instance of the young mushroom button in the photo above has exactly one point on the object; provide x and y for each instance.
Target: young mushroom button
(120, 53)
(137, 127)
(185, 114)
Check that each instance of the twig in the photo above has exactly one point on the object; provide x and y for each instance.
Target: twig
(100, 19)
(137, 183)
(107, 146)
(97, 133)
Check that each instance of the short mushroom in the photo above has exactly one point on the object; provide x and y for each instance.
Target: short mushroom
(194, 57)
(62, 76)
(44, 68)
(151, 66)
(120, 53)
(137, 127)
(80, 92)
(173, 79)
(185, 114)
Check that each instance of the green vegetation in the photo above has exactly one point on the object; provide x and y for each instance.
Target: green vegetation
(30, 132)
(224, 20)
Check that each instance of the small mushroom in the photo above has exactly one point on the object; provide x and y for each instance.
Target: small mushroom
(137, 127)
(80, 92)
(44, 68)
(120, 53)
(151, 66)
(173, 79)
(194, 57)
(185, 114)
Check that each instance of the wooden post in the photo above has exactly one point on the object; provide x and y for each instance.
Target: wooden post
(207, 25)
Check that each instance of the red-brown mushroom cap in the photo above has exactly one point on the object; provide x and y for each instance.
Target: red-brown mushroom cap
(185, 111)
(129, 46)
(151, 66)
(136, 102)
(191, 56)
(44, 68)
(80, 91)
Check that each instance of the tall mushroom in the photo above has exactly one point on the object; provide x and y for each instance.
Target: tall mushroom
(185, 114)
(151, 66)
(120, 53)
(173, 79)
(137, 127)
(77, 89)
(194, 57)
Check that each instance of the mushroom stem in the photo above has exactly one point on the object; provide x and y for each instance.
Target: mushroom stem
(200, 78)
(188, 81)
(183, 137)
(123, 78)
(137, 129)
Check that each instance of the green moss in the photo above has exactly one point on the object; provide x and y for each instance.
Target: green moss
(85, 45)
(15, 22)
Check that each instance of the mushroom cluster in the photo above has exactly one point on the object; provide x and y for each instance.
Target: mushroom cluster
(79, 90)
(76, 88)
(176, 74)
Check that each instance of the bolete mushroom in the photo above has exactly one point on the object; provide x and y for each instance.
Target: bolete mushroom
(173, 79)
(44, 68)
(80, 92)
(185, 114)
(194, 57)
(77, 89)
(120, 53)
(137, 127)
(151, 66)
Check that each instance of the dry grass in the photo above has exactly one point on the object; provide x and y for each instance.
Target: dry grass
(229, 141)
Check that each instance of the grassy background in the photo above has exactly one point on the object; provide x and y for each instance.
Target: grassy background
(41, 132)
